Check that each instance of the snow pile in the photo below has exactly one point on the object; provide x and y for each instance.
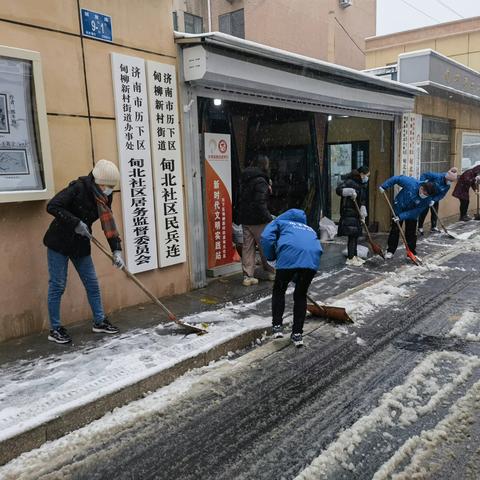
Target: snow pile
(467, 327)
(51, 456)
(32, 393)
(427, 448)
(425, 388)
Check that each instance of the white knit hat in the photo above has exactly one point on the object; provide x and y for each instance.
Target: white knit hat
(106, 173)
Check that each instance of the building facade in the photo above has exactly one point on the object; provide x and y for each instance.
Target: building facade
(79, 119)
(445, 61)
(332, 30)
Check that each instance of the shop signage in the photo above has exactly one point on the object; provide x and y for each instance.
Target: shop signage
(133, 139)
(411, 145)
(96, 25)
(218, 175)
(167, 166)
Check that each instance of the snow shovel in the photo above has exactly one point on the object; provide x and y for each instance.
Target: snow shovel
(410, 254)
(477, 215)
(131, 276)
(450, 234)
(376, 248)
(338, 314)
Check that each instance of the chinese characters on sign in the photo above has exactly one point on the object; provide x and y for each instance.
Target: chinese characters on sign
(219, 199)
(167, 167)
(135, 162)
(96, 25)
(411, 147)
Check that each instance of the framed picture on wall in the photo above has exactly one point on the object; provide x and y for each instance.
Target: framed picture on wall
(13, 162)
(4, 123)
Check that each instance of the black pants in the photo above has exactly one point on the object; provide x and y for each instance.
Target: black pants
(464, 207)
(352, 246)
(410, 233)
(433, 217)
(303, 278)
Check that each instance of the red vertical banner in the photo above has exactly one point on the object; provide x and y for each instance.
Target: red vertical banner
(218, 171)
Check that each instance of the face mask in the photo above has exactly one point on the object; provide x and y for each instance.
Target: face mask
(423, 196)
(365, 179)
(107, 191)
(448, 182)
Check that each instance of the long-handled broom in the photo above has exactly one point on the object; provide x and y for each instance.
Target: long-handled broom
(131, 276)
(376, 248)
(410, 254)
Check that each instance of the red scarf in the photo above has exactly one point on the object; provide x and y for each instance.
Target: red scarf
(105, 213)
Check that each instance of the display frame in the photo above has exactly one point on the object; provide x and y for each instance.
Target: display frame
(41, 125)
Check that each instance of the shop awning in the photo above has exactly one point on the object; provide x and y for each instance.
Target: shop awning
(247, 71)
(439, 75)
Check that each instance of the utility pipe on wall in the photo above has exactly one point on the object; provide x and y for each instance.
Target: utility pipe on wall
(209, 8)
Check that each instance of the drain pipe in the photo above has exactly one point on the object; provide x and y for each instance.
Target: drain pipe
(209, 7)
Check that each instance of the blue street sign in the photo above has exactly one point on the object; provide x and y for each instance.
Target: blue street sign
(96, 25)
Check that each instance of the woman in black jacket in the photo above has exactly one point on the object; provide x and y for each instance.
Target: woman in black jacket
(75, 208)
(354, 186)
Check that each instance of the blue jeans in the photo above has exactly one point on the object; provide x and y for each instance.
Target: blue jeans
(58, 269)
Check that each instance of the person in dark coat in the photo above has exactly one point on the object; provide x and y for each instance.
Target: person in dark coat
(297, 250)
(75, 208)
(254, 215)
(413, 198)
(442, 182)
(353, 188)
(470, 179)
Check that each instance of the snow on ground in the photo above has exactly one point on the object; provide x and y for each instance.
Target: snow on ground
(467, 327)
(32, 393)
(429, 384)
(427, 449)
(52, 455)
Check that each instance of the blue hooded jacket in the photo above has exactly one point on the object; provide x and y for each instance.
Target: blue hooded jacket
(291, 242)
(440, 182)
(408, 205)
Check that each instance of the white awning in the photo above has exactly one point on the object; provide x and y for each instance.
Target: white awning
(234, 68)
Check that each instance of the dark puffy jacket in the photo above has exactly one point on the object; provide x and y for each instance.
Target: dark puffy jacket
(291, 242)
(254, 197)
(466, 181)
(350, 224)
(69, 206)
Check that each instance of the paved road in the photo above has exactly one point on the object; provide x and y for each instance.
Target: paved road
(281, 413)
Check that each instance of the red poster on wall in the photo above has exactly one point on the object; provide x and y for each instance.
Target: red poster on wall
(219, 199)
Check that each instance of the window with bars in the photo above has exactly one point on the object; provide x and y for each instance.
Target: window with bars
(436, 145)
(193, 23)
(233, 23)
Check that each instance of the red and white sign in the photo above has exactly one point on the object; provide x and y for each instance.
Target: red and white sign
(218, 171)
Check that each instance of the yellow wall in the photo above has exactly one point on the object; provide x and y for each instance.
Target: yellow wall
(79, 99)
(380, 160)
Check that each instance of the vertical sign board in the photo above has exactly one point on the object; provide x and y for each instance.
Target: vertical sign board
(167, 166)
(130, 91)
(218, 172)
(411, 151)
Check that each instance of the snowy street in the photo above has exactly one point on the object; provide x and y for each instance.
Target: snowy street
(394, 395)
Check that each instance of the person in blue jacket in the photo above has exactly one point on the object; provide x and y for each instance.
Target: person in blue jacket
(297, 250)
(442, 181)
(413, 198)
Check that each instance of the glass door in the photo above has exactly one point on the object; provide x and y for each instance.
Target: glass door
(340, 156)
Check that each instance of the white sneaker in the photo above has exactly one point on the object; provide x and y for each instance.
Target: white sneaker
(420, 231)
(388, 255)
(435, 230)
(249, 281)
(354, 262)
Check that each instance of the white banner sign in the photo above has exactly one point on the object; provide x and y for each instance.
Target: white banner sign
(130, 92)
(167, 166)
(411, 151)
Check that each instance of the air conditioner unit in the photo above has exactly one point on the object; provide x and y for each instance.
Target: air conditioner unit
(345, 3)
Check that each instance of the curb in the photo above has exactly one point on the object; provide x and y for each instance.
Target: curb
(80, 416)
